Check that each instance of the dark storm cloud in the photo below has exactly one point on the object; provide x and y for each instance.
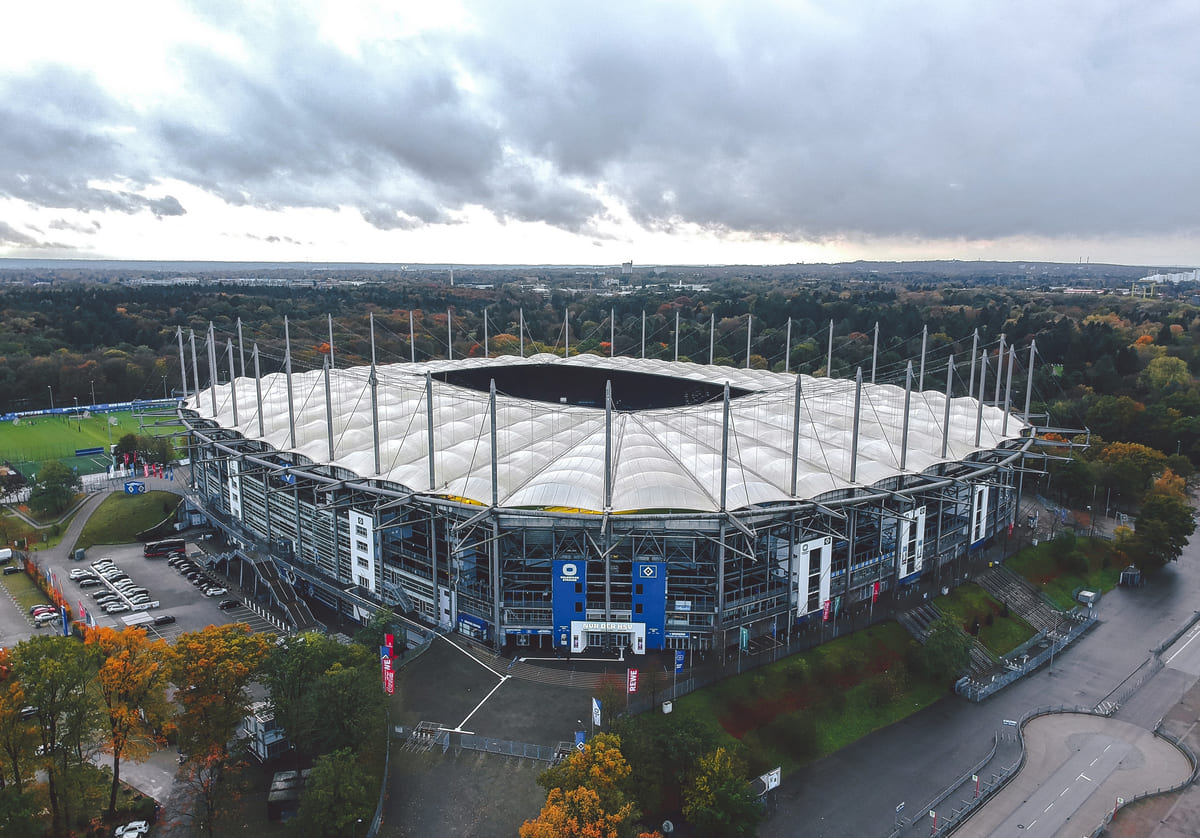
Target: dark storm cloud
(788, 121)
(9, 236)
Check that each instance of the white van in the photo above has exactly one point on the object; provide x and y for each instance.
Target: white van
(6, 555)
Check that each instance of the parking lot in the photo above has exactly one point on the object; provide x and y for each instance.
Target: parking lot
(169, 591)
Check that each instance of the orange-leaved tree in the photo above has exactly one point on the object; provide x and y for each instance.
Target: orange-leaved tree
(133, 683)
(577, 813)
(212, 669)
(587, 794)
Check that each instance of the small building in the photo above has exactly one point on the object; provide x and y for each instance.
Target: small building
(283, 800)
(264, 737)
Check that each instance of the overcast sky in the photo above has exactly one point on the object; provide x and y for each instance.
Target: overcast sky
(599, 132)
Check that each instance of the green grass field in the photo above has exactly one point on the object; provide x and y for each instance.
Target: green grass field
(121, 517)
(968, 603)
(30, 442)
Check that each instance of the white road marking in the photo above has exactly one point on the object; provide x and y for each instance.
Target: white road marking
(1047, 809)
(1064, 791)
(1184, 646)
(1084, 777)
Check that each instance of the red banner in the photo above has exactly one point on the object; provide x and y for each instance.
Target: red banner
(389, 677)
(390, 642)
(633, 680)
(828, 609)
(875, 593)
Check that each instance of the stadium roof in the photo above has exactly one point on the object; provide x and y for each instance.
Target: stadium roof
(552, 455)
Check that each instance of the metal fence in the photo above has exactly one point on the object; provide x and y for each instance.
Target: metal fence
(1021, 663)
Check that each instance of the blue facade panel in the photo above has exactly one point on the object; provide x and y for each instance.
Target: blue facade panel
(650, 600)
(568, 598)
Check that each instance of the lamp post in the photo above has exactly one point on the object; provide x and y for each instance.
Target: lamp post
(50, 387)
(357, 824)
(77, 421)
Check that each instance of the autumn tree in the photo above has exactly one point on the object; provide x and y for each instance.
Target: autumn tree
(132, 680)
(17, 732)
(57, 674)
(599, 765)
(212, 670)
(336, 796)
(577, 813)
(719, 801)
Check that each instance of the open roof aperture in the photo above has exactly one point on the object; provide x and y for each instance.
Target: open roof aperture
(584, 386)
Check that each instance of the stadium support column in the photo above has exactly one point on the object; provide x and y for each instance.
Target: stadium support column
(332, 361)
(521, 329)
(241, 347)
(749, 335)
(258, 392)
(429, 428)
(724, 447)
(712, 335)
(497, 635)
(612, 333)
(1012, 360)
(1029, 383)
(924, 340)
(908, 379)
(787, 348)
(212, 368)
(195, 367)
(829, 354)
(982, 392)
(329, 407)
(796, 435)
(182, 362)
(999, 370)
(566, 333)
(643, 333)
(486, 352)
(607, 501)
(946, 418)
(858, 382)
(875, 353)
(287, 368)
(232, 380)
(974, 351)
(449, 336)
(677, 335)
(373, 380)
(412, 339)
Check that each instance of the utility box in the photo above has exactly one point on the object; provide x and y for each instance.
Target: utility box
(668, 706)
(79, 554)
(1088, 597)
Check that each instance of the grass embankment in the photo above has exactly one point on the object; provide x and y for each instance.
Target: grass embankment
(970, 605)
(811, 704)
(1059, 570)
(121, 517)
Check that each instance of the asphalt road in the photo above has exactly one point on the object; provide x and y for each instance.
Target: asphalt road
(856, 791)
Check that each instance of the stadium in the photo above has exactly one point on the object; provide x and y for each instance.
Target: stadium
(585, 502)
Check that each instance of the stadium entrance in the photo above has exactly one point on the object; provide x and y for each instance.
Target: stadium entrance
(600, 637)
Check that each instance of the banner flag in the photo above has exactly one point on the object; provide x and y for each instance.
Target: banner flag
(596, 712)
(633, 681)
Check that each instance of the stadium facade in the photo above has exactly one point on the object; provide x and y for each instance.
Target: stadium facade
(599, 502)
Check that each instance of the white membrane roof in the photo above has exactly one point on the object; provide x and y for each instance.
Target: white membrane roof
(553, 455)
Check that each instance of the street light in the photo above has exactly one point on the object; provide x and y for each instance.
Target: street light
(51, 389)
(92, 384)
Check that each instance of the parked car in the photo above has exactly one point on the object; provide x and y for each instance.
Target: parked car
(164, 619)
(9, 570)
(33, 609)
(89, 582)
(226, 604)
(115, 608)
(215, 591)
(135, 829)
(80, 573)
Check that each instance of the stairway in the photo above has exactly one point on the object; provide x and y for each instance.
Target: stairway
(1021, 597)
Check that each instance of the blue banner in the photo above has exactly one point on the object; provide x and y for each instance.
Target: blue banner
(680, 657)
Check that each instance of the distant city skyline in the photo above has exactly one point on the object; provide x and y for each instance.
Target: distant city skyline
(698, 132)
